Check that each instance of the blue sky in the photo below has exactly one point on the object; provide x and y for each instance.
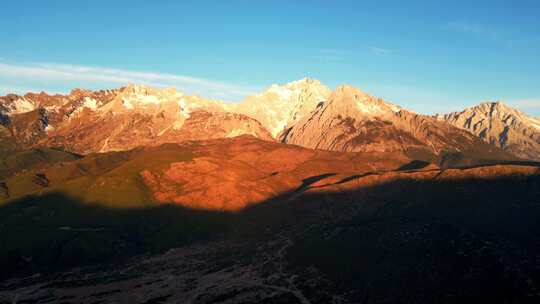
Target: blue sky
(429, 56)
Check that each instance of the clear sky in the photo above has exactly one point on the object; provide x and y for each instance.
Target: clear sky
(429, 56)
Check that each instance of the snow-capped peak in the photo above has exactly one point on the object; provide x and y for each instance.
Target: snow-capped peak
(349, 97)
(90, 103)
(302, 83)
(283, 92)
(282, 105)
(137, 96)
(286, 90)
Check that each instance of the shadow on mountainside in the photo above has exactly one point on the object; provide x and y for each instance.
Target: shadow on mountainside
(54, 232)
(307, 182)
(404, 240)
(414, 165)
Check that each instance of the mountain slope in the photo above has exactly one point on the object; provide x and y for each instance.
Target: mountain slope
(352, 120)
(13, 163)
(7, 141)
(284, 225)
(500, 125)
(248, 170)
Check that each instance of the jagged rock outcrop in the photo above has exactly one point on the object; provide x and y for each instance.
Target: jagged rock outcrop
(27, 119)
(500, 125)
(23, 130)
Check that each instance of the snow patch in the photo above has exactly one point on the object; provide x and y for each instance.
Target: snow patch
(147, 99)
(278, 127)
(535, 123)
(52, 108)
(90, 103)
(281, 92)
(49, 128)
(22, 105)
(140, 96)
(127, 103)
(394, 108)
(184, 109)
(138, 99)
(368, 107)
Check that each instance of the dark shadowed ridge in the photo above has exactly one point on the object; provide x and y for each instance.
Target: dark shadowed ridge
(426, 240)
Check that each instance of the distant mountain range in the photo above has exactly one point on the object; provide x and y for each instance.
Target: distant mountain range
(351, 120)
(500, 125)
(303, 112)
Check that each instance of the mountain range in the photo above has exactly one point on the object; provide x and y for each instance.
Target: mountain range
(303, 112)
(298, 194)
(500, 125)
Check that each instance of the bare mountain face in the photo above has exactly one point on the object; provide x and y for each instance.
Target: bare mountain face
(500, 125)
(280, 106)
(354, 121)
(86, 121)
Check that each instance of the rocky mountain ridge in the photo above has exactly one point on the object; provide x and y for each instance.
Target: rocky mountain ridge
(500, 125)
(121, 119)
(354, 121)
(303, 112)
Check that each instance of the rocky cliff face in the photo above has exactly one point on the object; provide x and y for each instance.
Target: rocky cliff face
(500, 125)
(352, 120)
(23, 130)
(123, 132)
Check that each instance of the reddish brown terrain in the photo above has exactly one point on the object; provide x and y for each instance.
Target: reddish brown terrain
(227, 174)
(221, 174)
(249, 171)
